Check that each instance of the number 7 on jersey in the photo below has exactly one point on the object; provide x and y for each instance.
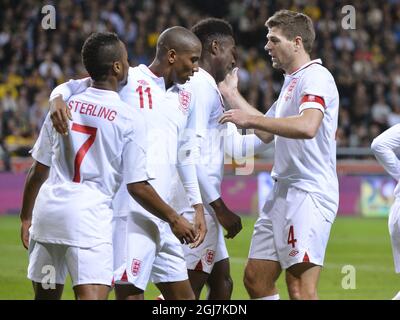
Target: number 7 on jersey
(91, 131)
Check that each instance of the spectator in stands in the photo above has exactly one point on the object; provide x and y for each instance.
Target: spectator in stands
(37, 59)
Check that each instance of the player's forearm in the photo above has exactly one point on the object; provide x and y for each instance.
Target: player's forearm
(208, 191)
(386, 147)
(387, 158)
(296, 127)
(62, 91)
(264, 136)
(199, 209)
(218, 206)
(37, 175)
(240, 146)
(188, 176)
(67, 89)
(236, 101)
(149, 199)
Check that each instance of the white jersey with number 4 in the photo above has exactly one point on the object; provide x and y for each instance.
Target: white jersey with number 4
(309, 164)
(73, 206)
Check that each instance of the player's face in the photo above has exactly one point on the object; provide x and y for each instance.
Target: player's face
(186, 64)
(226, 58)
(280, 49)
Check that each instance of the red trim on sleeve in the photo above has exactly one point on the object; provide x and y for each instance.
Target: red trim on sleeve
(312, 98)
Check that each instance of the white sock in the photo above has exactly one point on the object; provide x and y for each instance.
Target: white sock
(397, 296)
(273, 297)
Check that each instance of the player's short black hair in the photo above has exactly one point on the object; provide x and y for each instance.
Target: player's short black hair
(208, 29)
(99, 52)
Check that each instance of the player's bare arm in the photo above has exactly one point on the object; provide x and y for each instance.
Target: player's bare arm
(229, 220)
(148, 198)
(302, 126)
(37, 175)
(60, 114)
(200, 226)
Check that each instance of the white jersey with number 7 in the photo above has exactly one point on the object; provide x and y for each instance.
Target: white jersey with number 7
(106, 142)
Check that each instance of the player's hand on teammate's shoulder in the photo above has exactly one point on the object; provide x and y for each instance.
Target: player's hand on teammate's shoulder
(59, 115)
(200, 226)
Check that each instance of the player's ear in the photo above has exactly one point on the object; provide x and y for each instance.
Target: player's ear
(214, 47)
(117, 67)
(298, 42)
(171, 56)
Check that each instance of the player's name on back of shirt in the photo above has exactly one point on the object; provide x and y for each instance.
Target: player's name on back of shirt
(93, 110)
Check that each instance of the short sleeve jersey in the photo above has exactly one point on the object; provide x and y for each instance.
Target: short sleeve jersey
(105, 142)
(309, 164)
(166, 113)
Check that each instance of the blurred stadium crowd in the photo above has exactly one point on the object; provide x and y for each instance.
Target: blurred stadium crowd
(365, 61)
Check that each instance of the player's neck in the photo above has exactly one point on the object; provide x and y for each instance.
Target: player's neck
(105, 85)
(159, 70)
(207, 66)
(297, 63)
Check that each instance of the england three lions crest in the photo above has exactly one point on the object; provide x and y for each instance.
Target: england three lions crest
(290, 89)
(184, 101)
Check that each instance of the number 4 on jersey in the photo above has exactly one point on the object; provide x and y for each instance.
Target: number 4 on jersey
(91, 131)
(291, 240)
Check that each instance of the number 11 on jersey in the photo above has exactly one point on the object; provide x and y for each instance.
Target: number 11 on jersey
(141, 98)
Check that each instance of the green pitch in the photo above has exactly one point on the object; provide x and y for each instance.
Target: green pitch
(361, 243)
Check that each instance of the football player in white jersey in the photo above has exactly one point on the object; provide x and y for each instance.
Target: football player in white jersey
(149, 251)
(293, 230)
(209, 262)
(386, 149)
(66, 219)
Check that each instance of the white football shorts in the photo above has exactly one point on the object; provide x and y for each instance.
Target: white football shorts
(119, 234)
(394, 230)
(150, 252)
(290, 229)
(50, 263)
(213, 248)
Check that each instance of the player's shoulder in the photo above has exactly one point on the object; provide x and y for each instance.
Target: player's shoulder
(140, 71)
(78, 96)
(318, 71)
(131, 121)
(319, 77)
(203, 79)
(128, 112)
(141, 75)
(133, 71)
(202, 85)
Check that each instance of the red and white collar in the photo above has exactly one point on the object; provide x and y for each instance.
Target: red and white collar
(319, 61)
